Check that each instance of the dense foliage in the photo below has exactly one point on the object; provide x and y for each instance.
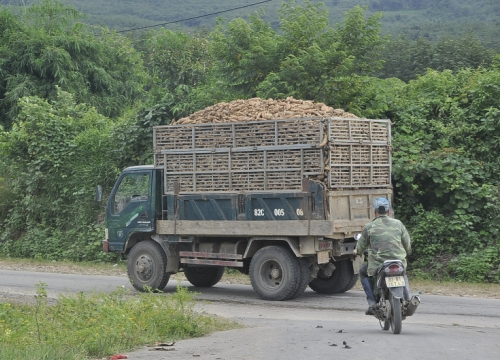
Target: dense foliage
(47, 46)
(406, 59)
(446, 166)
(430, 19)
(53, 156)
(444, 105)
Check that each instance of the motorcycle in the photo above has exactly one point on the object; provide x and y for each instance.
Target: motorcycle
(392, 296)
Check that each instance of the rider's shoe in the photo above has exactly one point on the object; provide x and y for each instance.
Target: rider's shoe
(370, 310)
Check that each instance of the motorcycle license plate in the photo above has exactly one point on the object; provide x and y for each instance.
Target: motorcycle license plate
(395, 281)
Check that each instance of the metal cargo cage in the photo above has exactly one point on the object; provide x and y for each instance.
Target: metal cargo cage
(360, 153)
(273, 154)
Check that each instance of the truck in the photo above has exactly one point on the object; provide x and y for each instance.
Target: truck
(278, 200)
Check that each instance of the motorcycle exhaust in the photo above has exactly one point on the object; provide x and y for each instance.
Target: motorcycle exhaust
(412, 305)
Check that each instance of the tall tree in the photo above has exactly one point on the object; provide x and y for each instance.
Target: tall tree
(45, 46)
(406, 59)
(305, 58)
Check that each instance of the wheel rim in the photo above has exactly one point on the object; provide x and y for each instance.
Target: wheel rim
(271, 274)
(144, 267)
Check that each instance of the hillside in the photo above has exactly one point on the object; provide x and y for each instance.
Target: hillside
(416, 18)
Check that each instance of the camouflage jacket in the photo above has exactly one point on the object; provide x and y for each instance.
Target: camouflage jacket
(386, 239)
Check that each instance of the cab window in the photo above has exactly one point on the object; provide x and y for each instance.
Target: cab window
(133, 187)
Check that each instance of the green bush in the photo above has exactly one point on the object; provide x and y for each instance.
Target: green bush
(482, 265)
(446, 172)
(81, 243)
(7, 197)
(55, 155)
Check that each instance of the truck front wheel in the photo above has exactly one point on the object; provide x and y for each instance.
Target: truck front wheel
(274, 273)
(337, 283)
(204, 276)
(146, 266)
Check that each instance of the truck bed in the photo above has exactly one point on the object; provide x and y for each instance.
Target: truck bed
(274, 155)
(296, 177)
(316, 212)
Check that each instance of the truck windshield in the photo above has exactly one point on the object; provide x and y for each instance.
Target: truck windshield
(133, 187)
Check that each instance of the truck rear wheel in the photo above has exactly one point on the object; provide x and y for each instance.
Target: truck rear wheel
(336, 283)
(146, 266)
(304, 278)
(352, 282)
(204, 276)
(274, 273)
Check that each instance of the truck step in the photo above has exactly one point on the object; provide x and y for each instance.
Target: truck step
(204, 258)
(212, 262)
(210, 255)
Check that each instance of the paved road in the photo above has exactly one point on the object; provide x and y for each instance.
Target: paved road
(308, 327)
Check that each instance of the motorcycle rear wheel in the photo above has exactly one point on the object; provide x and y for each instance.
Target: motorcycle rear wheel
(396, 316)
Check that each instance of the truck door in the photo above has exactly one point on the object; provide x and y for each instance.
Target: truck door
(129, 209)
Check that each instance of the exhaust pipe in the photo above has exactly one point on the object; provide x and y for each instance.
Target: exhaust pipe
(412, 305)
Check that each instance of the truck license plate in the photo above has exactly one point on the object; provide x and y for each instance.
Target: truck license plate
(395, 281)
(323, 257)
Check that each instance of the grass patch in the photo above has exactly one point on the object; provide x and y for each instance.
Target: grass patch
(97, 325)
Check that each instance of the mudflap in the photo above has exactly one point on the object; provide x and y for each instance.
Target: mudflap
(397, 292)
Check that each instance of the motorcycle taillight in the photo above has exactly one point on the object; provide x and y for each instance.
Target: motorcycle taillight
(394, 269)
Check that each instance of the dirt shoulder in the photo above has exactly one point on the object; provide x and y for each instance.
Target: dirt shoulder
(63, 267)
(489, 291)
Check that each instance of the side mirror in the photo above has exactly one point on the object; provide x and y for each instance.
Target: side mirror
(98, 193)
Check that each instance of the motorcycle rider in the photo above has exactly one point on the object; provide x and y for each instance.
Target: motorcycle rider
(386, 239)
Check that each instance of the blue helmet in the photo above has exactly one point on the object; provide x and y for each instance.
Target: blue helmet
(381, 205)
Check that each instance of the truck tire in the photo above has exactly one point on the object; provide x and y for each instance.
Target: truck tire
(336, 283)
(305, 276)
(146, 266)
(204, 276)
(352, 282)
(274, 273)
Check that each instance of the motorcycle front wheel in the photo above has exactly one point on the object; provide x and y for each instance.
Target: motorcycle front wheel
(396, 316)
(385, 324)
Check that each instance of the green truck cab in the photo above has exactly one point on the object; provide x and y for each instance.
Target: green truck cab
(133, 207)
